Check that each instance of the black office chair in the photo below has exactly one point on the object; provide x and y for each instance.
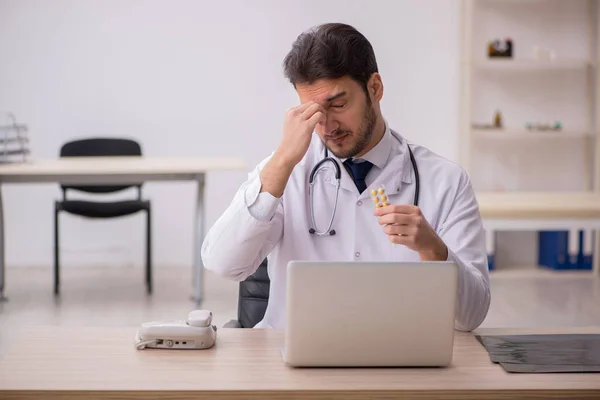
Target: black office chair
(91, 209)
(253, 298)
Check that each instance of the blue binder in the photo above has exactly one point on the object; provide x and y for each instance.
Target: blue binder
(553, 252)
(491, 262)
(584, 260)
(553, 249)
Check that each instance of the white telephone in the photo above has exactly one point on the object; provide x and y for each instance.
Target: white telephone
(194, 333)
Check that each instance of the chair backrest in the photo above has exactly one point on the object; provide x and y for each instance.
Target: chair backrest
(100, 147)
(254, 297)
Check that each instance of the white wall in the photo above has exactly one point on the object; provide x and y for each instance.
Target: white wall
(192, 78)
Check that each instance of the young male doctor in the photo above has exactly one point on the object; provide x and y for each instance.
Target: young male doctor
(334, 71)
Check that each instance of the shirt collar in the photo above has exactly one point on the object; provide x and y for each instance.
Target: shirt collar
(380, 154)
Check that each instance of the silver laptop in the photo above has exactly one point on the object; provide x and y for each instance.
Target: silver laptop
(370, 314)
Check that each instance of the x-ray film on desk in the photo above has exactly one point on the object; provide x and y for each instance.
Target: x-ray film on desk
(544, 353)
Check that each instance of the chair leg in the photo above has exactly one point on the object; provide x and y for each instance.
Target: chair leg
(56, 252)
(148, 251)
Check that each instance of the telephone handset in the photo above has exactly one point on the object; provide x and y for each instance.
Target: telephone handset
(196, 332)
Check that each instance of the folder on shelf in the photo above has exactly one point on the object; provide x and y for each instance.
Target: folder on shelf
(491, 263)
(553, 251)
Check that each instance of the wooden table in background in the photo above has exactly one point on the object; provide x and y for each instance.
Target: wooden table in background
(54, 362)
(116, 171)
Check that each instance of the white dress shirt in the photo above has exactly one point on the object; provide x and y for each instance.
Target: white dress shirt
(257, 225)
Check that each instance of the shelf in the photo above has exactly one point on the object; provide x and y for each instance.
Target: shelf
(532, 88)
(501, 64)
(509, 133)
(13, 128)
(17, 139)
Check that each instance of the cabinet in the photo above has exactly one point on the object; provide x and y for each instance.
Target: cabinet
(532, 65)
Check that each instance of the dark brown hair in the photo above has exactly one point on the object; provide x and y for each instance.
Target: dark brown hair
(330, 51)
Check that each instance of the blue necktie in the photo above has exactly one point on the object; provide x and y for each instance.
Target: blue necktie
(359, 171)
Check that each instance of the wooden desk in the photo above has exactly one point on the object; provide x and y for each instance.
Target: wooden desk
(51, 362)
(119, 170)
(510, 211)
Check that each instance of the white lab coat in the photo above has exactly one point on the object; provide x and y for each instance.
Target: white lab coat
(240, 240)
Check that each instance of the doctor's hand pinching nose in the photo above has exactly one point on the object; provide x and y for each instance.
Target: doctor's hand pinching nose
(298, 128)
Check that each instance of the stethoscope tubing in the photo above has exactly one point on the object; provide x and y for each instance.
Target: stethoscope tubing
(338, 175)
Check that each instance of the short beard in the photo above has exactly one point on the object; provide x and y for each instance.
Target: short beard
(366, 133)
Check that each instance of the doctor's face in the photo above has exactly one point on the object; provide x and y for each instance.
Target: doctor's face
(351, 117)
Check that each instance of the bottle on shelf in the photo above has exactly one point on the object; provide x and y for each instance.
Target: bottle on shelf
(498, 119)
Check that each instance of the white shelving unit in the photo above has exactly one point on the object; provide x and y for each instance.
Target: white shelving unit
(563, 84)
(521, 133)
(534, 65)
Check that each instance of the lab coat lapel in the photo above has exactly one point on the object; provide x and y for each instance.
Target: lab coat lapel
(346, 181)
(396, 173)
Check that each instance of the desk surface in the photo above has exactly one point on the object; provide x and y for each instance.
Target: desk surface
(540, 205)
(247, 362)
(72, 167)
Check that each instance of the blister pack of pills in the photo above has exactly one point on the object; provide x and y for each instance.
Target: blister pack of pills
(379, 196)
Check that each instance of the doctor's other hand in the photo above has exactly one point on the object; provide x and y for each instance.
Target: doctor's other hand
(405, 224)
(300, 122)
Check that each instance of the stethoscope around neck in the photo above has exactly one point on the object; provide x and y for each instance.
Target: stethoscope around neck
(338, 176)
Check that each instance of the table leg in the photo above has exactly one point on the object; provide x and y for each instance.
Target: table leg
(198, 239)
(2, 258)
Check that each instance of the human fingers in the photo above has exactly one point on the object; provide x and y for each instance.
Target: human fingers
(406, 240)
(302, 107)
(316, 118)
(396, 219)
(311, 110)
(397, 209)
(406, 230)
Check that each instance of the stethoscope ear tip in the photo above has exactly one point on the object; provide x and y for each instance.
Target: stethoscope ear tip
(332, 232)
(311, 231)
